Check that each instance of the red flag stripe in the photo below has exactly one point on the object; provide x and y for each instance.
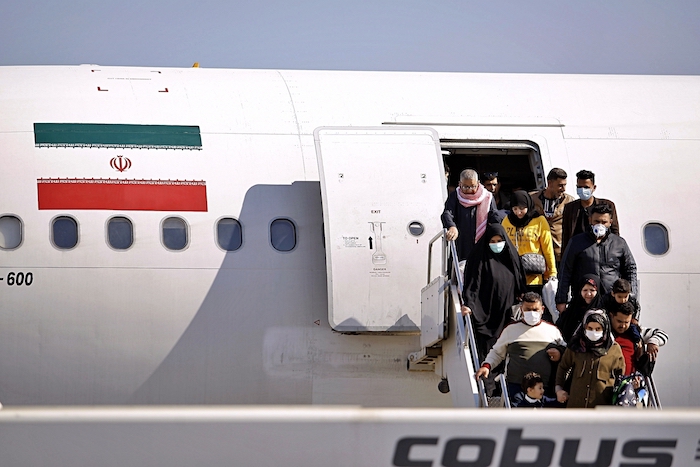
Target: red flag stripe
(122, 195)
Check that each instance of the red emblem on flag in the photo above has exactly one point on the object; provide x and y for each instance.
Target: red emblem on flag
(120, 163)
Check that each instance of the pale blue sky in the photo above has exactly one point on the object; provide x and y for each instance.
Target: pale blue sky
(541, 36)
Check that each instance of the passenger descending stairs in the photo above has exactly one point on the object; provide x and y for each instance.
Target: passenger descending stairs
(447, 339)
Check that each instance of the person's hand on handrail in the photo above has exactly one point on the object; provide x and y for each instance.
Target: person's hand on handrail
(452, 234)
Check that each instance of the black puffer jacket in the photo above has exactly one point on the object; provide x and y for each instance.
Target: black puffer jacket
(610, 260)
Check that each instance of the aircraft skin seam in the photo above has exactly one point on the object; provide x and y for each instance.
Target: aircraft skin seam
(296, 120)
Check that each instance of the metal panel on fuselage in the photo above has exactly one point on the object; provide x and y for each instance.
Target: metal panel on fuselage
(201, 326)
(652, 179)
(376, 183)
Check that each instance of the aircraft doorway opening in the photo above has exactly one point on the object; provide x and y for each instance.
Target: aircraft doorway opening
(518, 163)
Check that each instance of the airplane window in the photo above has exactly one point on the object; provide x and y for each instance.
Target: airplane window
(120, 233)
(174, 232)
(10, 232)
(64, 231)
(283, 235)
(656, 239)
(416, 228)
(229, 234)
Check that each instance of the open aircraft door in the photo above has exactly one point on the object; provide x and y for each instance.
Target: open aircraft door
(383, 191)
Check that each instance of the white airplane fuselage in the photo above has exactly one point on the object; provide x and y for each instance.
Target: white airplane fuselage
(201, 325)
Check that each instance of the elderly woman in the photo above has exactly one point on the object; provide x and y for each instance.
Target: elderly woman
(593, 359)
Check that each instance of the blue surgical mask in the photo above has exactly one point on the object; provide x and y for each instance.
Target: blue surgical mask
(599, 230)
(497, 247)
(584, 193)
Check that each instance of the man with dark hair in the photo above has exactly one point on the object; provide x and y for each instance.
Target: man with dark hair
(492, 184)
(577, 213)
(635, 341)
(550, 203)
(468, 210)
(529, 344)
(599, 252)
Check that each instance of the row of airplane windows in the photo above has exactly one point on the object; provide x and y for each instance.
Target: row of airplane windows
(229, 234)
(174, 233)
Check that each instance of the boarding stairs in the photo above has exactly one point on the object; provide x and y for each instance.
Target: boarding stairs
(447, 340)
(448, 346)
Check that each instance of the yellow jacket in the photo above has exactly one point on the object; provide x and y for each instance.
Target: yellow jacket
(535, 237)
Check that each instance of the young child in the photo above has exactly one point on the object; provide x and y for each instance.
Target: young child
(621, 293)
(533, 393)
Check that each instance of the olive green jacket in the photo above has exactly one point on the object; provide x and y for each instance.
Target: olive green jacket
(592, 377)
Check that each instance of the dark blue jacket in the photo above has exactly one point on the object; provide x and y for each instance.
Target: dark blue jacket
(610, 260)
(519, 401)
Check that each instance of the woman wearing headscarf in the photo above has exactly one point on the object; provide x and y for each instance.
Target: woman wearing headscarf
(531, 235)
(586, 299)
(593, 359)
(493, 280)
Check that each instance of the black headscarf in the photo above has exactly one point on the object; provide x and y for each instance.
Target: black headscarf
(581, 343)
(492, 282)
(573, 316)
(577, 301)
(522, 198)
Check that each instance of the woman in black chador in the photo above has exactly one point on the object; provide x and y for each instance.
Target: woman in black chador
(493, 282)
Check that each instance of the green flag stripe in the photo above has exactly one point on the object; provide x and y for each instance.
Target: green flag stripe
(117, 135)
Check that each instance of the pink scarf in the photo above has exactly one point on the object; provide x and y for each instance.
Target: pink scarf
(482, 200)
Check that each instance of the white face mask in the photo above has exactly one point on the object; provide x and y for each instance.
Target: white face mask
(599, 230)
(584, 193)
(497, 247)
(594, 336)
(532, 317)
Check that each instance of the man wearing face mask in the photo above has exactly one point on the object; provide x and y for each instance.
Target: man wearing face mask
(599, 252)
(529, 344)
(576, 214)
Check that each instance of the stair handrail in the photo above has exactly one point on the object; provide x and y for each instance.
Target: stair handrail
(505, 397)
(653, 394)
(449, 251)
